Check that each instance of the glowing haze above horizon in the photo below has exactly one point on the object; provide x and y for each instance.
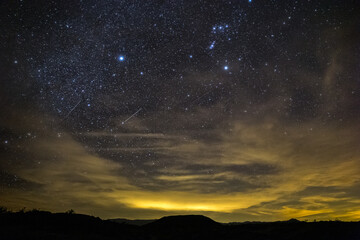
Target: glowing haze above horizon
(237, 110)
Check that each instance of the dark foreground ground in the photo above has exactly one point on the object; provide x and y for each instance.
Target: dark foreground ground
(46, 225)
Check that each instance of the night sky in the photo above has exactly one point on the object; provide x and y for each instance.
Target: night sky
(238, 110)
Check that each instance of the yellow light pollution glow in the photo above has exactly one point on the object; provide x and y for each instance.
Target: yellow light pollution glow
(301, 186)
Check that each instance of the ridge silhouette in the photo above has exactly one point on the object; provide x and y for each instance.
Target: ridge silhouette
(37, 224)
(184, 221)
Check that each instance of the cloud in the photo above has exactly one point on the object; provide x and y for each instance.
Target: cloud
(248, 169)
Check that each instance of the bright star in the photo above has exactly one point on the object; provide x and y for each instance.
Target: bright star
(212, 45)
(226, 67)
(141, 73)
(121, 58)
(191, 56)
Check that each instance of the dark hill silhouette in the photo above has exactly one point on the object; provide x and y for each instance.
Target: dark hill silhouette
(183, 227)
(45, 225)
(137, 222)
(197, 221)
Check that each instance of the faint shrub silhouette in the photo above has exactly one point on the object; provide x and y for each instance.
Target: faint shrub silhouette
(71, 211)
(22, 210)
(294, 220)
(3, 210)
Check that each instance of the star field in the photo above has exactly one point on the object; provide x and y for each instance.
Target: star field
(240, 110)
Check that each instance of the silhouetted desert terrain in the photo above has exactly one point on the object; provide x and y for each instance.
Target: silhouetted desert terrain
(45, 225)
